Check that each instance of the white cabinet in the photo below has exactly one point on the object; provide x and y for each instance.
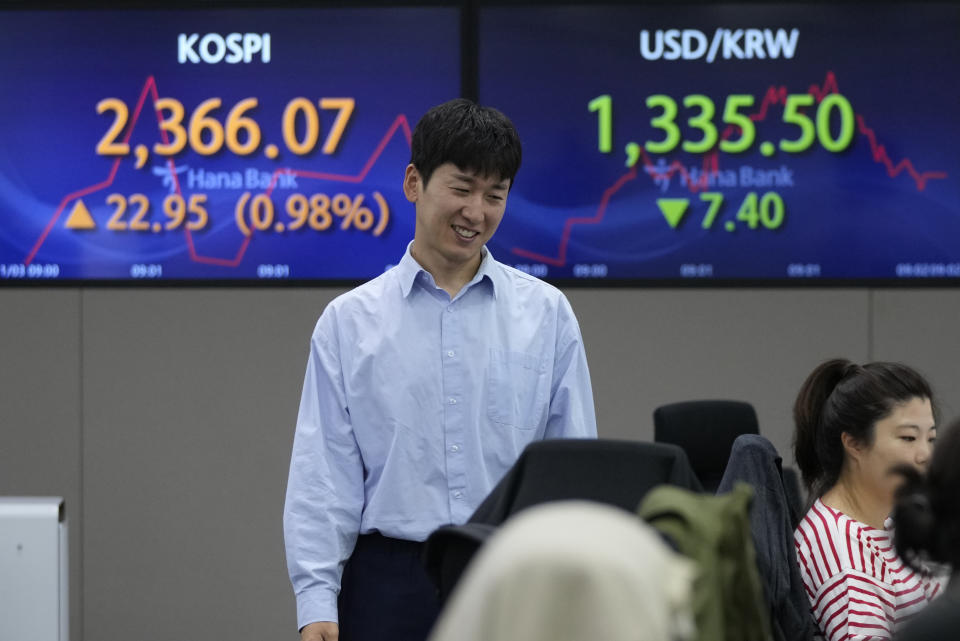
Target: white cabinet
(33, 569)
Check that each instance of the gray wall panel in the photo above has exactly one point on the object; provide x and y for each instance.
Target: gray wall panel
(650, 347)
(191, 402)
(172, 447)
(922, 328)
(40, 428)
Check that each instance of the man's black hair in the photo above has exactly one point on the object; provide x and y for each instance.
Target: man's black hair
(477, 139)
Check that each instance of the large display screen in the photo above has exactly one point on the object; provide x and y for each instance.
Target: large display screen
(213, 145)
(743, 142)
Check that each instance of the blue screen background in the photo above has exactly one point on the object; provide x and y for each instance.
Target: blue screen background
(846, 215)
(395, 63)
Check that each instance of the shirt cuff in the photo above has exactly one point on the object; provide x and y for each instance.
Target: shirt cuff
(318, 604)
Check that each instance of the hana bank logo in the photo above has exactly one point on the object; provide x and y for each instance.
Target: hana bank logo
(738, 44)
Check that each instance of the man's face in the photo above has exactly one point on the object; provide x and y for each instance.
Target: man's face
(457, 213)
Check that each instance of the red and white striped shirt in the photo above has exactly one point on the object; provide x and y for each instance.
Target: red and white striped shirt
(858, 587)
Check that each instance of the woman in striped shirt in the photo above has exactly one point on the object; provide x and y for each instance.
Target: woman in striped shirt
(854, 426)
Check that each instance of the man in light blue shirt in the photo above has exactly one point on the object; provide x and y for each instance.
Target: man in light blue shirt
(422, 388)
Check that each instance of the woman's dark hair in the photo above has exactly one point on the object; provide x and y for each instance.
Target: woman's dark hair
(840, 396)
(474, 138)
(927, 509)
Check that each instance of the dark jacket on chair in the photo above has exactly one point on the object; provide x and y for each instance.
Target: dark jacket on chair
(754, 460)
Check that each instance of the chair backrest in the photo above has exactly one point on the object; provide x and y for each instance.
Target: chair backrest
(795, 495)
(706, 431)
(572, 571)
(617, 473)
(614, 472)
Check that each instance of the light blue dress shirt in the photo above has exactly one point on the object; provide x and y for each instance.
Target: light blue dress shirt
(415, 405)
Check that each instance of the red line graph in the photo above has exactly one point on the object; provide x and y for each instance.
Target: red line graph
(773, 96)
(150, 87)
(561, 260)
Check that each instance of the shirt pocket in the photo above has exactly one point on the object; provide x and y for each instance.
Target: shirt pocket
(517, 388)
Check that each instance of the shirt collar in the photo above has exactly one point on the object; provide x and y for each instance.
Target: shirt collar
(489, 270)
(409, 269)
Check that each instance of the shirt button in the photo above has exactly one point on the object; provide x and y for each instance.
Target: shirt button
(450, 353)
(457, 494)
(450, 310)
(455, 448)
(453, 401)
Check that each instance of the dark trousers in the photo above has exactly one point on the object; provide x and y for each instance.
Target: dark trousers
(385, 594)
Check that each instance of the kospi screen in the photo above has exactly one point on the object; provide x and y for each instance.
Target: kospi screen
(757, 142)
(213, 145)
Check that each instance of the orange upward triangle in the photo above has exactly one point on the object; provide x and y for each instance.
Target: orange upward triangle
(80, 217)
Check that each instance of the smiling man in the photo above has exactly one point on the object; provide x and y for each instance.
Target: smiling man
(422, 388)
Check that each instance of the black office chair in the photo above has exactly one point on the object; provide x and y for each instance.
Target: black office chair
(795, 495)
(706, 431)
(617, 473)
